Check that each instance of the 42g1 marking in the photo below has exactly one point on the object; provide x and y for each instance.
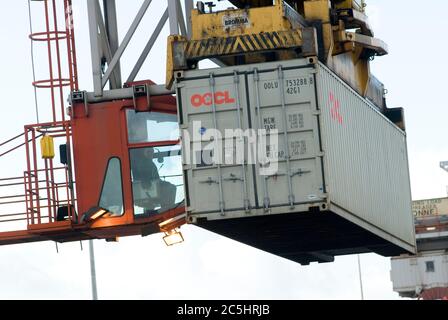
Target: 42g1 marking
(293, 85)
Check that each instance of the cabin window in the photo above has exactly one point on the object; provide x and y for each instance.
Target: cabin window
(152, 127)
(112, 192)
(157, 182)
(430, 266)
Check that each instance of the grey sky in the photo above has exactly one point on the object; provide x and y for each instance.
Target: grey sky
(207, 265)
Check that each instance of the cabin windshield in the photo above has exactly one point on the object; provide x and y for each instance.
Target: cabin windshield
(151, 127)
(156, 162)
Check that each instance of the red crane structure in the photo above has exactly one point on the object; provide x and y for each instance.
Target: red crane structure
(97, 139)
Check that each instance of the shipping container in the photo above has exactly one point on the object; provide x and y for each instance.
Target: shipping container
(332, 175)
(413, 275)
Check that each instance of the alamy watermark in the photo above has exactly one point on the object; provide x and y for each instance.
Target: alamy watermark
(206, 147)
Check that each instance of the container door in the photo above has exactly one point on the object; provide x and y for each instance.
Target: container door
(283, 105)
(213, 122)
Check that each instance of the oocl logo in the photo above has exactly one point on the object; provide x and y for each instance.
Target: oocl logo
(220, 97)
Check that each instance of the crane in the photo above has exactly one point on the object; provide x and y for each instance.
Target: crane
(60, 200)
(120, 170)
(288, 32)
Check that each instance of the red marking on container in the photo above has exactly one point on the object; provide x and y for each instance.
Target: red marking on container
(335, 109)
(221, 97)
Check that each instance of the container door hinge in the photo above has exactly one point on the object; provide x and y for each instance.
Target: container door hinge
(209, 181)
(300, 172)
(233, 178)
(275, 176)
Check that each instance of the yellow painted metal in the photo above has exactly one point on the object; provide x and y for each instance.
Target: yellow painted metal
(169, 62)
(319, 10)
(343, 4)
(243, 43)
(367, 42)
(355, 71)
(248, 32)
(231, 23)
(264, 26)
(347, 58)
(180, 50)
(47, 147)
(344, 49)
(349, 4)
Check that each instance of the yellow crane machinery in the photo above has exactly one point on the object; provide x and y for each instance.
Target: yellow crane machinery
(336, 31)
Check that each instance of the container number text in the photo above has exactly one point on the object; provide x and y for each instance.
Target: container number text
(293, 85)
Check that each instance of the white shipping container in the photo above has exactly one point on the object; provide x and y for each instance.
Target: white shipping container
(342, 184)
(412, 275)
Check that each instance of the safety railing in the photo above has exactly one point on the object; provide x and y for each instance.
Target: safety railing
(12, 191)
(35, 205)
(8, 200)
(45, 192)
(46, 200)
(56, 42)
(49, 189)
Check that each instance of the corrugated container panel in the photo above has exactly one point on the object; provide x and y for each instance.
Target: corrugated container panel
(413, 274)
(345, 158)
(365, 158)
(204, 186)
(298, 122)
